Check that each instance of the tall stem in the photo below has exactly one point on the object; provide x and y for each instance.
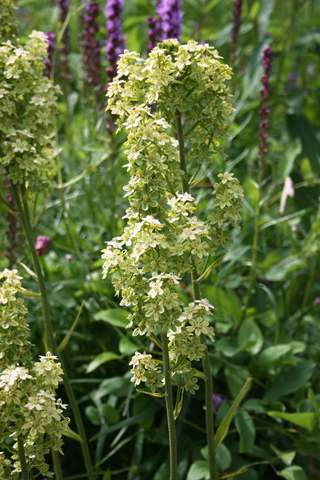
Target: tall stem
(208, 388)
(22, 458)
(57, 465)
(205, 359)
(169, 408)
(49, 336)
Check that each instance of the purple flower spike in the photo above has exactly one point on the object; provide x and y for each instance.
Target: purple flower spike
(170, 15)
(154, 32)
(236, 20)
(115, 45)
(64, 7)
(51, 48)
(91, 45)
(265, 108)
(42, 244)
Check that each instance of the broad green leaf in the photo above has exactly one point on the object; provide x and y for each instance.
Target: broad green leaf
(225, 303)
(223, 458)
(199, 471)
(236, 379)
(246, 430)
(228, 346)
(307, 420)
(293, 473)
(224, 427)
(299, 126)
(114, 316)
(250, 337)
(275, 308)
(127, 347)
(118, 386)
(92, 413)
(314, 402)
(286, 457)
(270, 355)
(286, 163)
(100, 359)
(110, 413)
(289, 380)
(264, 15)
(254, 405)
(279, 272)
(66, 339)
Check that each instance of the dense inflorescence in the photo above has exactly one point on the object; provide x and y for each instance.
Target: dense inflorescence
(13, 227)
(28, 105)
(170, 14)
(236, 20)
(164, 238)
(8, 22)
(265, 108)
(92, 45)
(51, 46)
(28, 405)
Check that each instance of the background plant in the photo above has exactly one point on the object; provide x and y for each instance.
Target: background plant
(286, 255)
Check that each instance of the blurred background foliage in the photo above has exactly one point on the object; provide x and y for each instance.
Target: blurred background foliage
(272, 333)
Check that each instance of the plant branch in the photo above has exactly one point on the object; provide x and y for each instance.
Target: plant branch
(22, 458)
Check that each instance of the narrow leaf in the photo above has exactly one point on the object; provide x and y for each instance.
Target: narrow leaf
(107, 475)
(66, 339)
(100, 359)
(73, 435)
(179, 406)
(36, 218)
(28, 270)
(209, 269)
(29, 293)
(152, 394)
(224, 427)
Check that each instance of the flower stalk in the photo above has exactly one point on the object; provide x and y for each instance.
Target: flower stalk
(22, 457)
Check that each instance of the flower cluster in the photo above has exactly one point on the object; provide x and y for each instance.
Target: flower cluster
(13, 226)
(8, 22)
(236, 20)
(164, 238)
(27, 106)
(63, 63)
(28, 404)
(92, 45)
(265, 108)
(170, 15)
(51, 46)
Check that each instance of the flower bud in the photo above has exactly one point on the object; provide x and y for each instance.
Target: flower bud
(42, 244)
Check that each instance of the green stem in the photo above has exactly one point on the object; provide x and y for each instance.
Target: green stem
(205, 358)
(208, 388)
(169, 407)
(49, 336)
(22, 458)
(57, 465)
(183, 163)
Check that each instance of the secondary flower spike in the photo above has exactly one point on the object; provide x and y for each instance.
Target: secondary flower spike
(170, 15)
(91, 44)
(51, 48)
(115, 45)
(236, 20)
(265, 108)
(64, 8)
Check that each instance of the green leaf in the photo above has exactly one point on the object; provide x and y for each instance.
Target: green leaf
(307, 420)
(286, 163)
(235, 379)
(127, 347)
(92, 413)
(110, 413)
(66, 339)
(209, 269)
(250, 337)
(289, 380)
(199, 471)
(223, 458)
(299, 126)
(269, 356)
(314, 402)
(73, 435)
(246, 430)
(264, 15)
(100, 359)
(277, 273)
(114, 316)
(293, 473)
(300, 213)
(118, 386)
(107, 475)
(286, 457)
(28, 270)
(224, 427)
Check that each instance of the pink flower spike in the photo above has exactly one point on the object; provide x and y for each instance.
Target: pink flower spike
(42, 244)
